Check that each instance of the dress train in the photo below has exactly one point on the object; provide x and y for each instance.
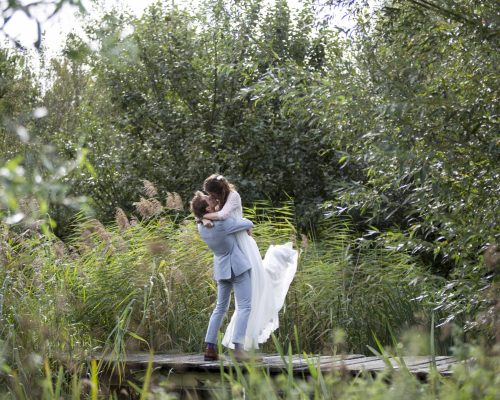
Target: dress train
(271, 278)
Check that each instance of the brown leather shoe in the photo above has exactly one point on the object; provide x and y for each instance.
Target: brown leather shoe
(244, 356)
(241, 355)
(210, 354)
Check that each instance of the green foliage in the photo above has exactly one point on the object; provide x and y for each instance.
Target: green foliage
(184, 95)
(360, 289)
(147, 285)
(31, 171)
(16, 86)
(34, 12)
(432, 151)
(150, 282)
(394, 125)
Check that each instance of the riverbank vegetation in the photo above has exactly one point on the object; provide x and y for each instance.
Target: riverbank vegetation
(373, 147)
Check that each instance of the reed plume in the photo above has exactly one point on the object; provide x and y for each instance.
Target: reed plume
(101, 231)
(93, 229)
(59, 249)
(149, 188)
(156, 246)
(148, 208)
(491, 258)
(121, 219)
(174, 201)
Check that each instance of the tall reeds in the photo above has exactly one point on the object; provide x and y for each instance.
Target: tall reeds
(154, 279)
(145, 283)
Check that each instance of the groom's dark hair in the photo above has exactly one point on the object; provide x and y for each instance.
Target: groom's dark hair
(199, 205)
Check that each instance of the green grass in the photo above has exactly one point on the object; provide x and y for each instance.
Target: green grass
(149, 287)
(479, 379)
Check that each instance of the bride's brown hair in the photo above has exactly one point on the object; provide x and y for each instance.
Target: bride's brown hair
(219, 187)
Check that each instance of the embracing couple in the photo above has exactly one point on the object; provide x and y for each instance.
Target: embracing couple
(259, 285)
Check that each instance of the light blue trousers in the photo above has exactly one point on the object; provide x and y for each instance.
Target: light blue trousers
(242, 285)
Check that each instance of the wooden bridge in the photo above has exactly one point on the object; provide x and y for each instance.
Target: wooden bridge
(188, 370)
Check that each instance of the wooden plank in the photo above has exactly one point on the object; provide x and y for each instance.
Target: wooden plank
(417, 360)
(348, 363)
(278, 364)
(412, 363)
(300, 363)
(368, 364)
(326, 363)
(420, 364)
(444, 367)
(275, 364)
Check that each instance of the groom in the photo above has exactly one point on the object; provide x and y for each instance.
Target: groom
(231, 271)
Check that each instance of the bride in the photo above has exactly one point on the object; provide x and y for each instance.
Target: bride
(271, 276)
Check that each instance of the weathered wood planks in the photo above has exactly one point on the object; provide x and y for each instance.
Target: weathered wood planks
(354, 364)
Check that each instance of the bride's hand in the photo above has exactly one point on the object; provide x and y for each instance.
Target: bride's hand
(249, 231)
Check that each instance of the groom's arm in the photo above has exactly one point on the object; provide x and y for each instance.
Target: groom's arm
(233, 225)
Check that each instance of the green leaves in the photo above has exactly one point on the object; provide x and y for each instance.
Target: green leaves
(395, 125)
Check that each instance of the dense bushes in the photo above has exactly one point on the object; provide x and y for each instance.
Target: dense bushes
(111, 286)
(383, 140)
(140, 285)
(393, 124)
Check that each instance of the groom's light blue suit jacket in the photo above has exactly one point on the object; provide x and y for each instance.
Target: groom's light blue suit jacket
(222, 241)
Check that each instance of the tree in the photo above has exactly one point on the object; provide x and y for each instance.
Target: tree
(31, 11)
(432, 151)
(186, 95)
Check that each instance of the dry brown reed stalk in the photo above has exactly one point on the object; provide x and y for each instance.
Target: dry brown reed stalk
(121, 219)
(149, 188)
(94, 229)
(174, 201)
(304, 242)
(148, 207)
(59, 249)
(4, 246)
(85, 242)
(29, 207)
(157, 246)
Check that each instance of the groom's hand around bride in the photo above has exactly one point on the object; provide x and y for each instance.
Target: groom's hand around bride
(249, 231)
(207, 223)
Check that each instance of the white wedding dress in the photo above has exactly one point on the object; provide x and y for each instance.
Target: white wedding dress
(271, 278)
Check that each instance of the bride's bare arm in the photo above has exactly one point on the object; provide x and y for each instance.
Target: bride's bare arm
(212, 216)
